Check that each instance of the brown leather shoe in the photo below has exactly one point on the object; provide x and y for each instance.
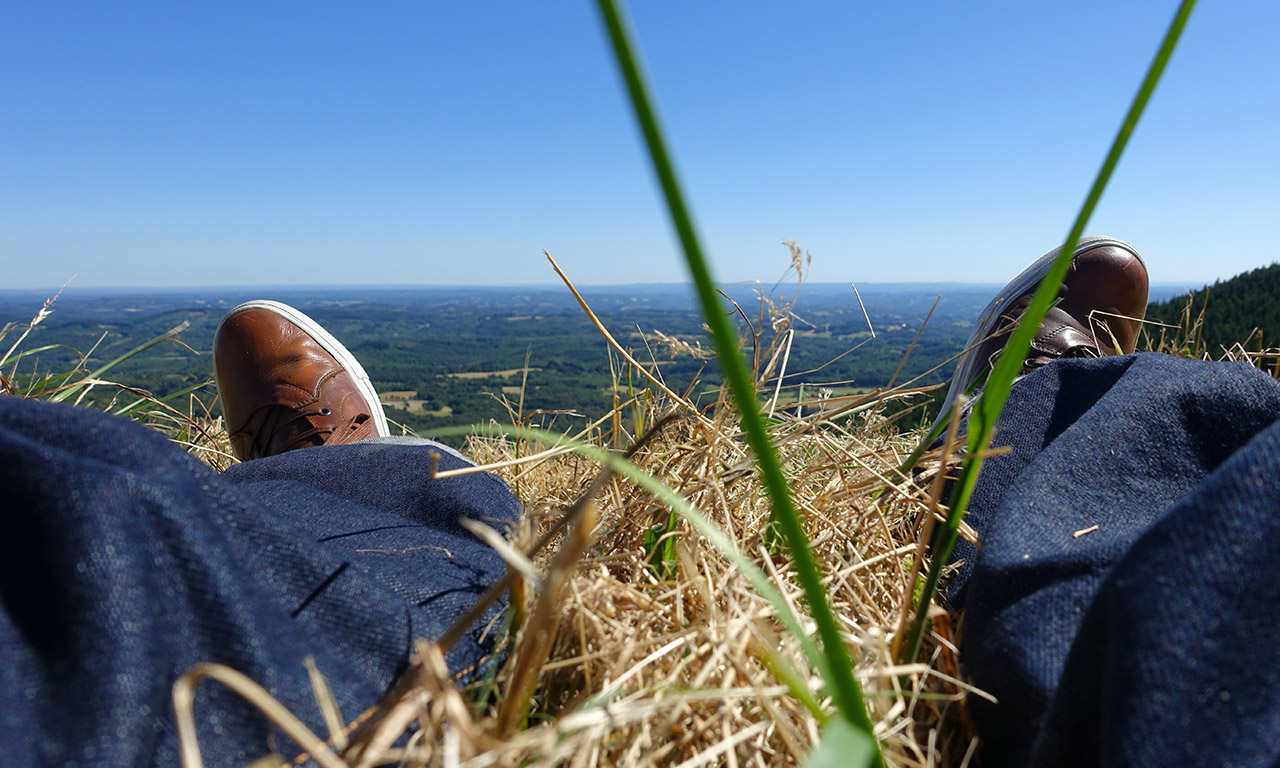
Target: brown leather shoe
(286, 383)
(1099, 313)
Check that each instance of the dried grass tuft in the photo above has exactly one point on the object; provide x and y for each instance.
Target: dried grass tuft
(674, 662)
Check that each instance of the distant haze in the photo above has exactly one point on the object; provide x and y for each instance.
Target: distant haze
(669, 295)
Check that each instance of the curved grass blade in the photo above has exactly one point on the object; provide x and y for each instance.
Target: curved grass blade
(982, 418)
(36, 351)
(97, 374)
(136, 404)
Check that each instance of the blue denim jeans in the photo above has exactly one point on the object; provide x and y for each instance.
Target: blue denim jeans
(124, 562)
(1150, 640)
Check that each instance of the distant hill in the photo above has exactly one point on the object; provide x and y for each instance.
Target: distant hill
(1235, 307)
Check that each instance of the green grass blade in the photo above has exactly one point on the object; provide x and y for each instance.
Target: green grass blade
(131, 407)
(987, 408)
(841, 746)
(36, 351)
(51, 383)
(166, 336)
(842, 683)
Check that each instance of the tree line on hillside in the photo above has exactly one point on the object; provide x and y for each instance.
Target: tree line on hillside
(1232, 311)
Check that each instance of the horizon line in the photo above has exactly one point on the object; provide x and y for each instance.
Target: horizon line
(72, 288)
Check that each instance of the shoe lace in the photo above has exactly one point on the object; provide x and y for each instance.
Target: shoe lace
(1037, 356)
(278, 419)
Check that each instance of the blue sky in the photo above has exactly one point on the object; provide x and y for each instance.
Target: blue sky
(150, 143)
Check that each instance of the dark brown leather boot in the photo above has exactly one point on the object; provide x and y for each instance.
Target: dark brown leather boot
(1099, 313)
(286, 383)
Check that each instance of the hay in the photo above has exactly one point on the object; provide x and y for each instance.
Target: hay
(663, 663)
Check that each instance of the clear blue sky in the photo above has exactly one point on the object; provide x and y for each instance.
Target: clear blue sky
(161, 143)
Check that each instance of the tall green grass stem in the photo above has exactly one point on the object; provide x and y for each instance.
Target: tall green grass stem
(987, 407)
(842, 683)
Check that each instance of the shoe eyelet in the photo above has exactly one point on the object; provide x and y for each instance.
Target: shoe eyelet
(325, 411)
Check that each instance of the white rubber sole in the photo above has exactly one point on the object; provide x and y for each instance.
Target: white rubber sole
(330, 345)
(1028, 279)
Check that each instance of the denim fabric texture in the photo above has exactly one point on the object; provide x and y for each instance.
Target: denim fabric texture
(125, 561)
(1152, 639)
